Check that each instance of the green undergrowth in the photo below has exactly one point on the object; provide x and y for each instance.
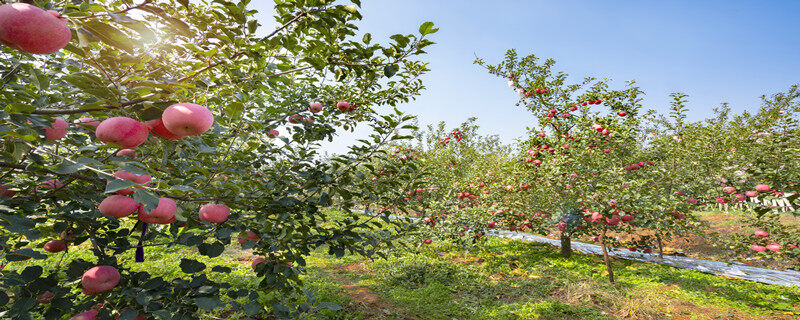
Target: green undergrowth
(499, 279)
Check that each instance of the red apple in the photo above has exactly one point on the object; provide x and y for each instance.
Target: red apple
(315, 107)
(187, 119)
(762, 188)
(344, 105)
(4, 192)
(118, 206)
(729, 189)
(627, 218)
(622, 113)
(427, 241)
(100, 279)
(52, 184)
(55, 246)
(46, 297)
(122, 131)
(126, 153)
(248, 235)
(491, 224)
(774, 247)
(56, 130)
(761, 233)
(256, 262)
(164, 213)
(138, 179)
(273, 133)
(87, 315)
(751, 193)
(757, 248)
(157, 128)
(87, 122)
(214, 213)
(32, 30)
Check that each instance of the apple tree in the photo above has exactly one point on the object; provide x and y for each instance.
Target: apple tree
(127, 125)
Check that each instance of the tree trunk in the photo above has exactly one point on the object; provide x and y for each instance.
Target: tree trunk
(606, 257)
(566, 245)
(660, 248)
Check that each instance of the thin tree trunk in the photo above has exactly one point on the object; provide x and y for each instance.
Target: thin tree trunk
(660, 247)
(606, 257)
(566, 245)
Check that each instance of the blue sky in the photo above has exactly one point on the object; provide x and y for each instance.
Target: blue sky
(715, 51)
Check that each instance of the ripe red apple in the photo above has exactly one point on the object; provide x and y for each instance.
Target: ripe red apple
(138, 179)
(126, 153)
(729, 189)
(187, 119)
(751, 193)
(427, 241)
(4, 192)
(56, 130)
(562, 226)
(256, 262)
(214, 213)
(343, 106)
(622, 113)
(99, 279)
(52, 184)
(315, 107)
(46, 297)
(491, 224)
(248, 235)
(295, 118)
(627, 218)
(87, 315)
(157, 128)
(32, 30)
(573, 108)
(122, 131)
(55, 246)
(762, 188)
(606, 151)
(774, 247)
(87, 122)
(757, 248)
(273, 133)
(164, 213)
(761, 233)
(118, 206)
(542, 134)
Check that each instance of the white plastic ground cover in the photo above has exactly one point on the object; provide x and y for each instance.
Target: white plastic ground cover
(786, 278)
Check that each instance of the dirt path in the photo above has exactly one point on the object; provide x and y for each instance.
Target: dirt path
(365, 301)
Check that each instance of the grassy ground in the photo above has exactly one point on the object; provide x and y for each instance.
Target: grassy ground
(501, 279)
(515, 280)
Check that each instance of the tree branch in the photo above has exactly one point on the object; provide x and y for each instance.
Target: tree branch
(74, 111)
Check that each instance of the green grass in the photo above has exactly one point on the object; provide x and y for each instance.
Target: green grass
(500, 279)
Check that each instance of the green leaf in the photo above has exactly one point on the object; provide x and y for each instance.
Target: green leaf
(208, 303)
(118, 184)
(110, 35)
(67, 167)
(251, 308)
(350, 8)
(367, 38)
(32, 273)
(150, 200)
(191, 266)
(427, 28)
(17, 107)
(221, 269)
(234, 109)
(211, 250)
